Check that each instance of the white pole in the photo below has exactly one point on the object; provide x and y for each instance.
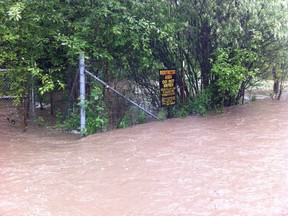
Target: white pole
(82, 94)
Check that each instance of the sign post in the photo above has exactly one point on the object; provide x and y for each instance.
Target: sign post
(167, 78)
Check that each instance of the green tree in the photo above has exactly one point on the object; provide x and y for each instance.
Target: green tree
(203, 32)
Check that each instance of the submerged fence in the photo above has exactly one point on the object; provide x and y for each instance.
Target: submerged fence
(111, 108)
(6, 96)
(88, 104)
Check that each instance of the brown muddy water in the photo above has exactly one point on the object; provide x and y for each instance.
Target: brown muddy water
(235, 163)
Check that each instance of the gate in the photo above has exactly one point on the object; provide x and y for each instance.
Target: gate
(113, 108)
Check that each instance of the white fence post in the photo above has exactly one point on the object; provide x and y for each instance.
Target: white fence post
(82, 94)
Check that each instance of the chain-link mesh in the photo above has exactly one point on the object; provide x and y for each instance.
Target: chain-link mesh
(106, 110)
(6, 96)
(112, 109)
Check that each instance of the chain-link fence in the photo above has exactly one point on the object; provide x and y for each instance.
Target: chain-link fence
(105, 109)
(6, 96)
(108, 106)
(120, 102)
(33, 105)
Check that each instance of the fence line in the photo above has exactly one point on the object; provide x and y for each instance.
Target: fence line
(6, 97)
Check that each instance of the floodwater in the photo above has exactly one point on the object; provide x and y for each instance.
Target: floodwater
(235, 163)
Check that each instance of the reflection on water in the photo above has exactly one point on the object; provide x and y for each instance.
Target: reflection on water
(235, 163)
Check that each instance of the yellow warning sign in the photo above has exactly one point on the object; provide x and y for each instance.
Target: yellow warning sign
(167, 79)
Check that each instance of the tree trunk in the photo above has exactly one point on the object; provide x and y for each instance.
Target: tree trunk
(204, 51)
(276, 83)
(23, 110)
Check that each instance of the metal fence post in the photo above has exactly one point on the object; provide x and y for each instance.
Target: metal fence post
(82, 94)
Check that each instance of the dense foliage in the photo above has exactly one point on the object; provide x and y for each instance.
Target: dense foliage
(225, 45)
